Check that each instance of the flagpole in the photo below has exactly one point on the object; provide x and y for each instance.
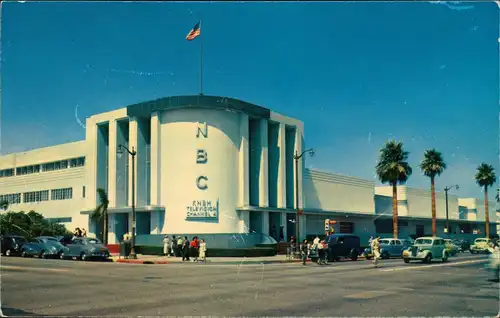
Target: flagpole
(201, 61)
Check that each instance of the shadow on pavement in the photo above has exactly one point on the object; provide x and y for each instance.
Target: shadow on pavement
(12, 312)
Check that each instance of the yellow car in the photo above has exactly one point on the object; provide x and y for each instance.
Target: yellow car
(480, 245)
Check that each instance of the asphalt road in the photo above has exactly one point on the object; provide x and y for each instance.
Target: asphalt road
(73, 288)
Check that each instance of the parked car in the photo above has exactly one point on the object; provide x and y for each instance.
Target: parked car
(11, 244)
(43, 247)
(389, 248)
(343, 246)
(450, 247)
(480, 245)
(85, 248)
(426, 249)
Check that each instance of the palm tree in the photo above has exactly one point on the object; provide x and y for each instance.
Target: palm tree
(485, 177)
(4, 205)
(101, 213)
(433, 165)
(393, 168)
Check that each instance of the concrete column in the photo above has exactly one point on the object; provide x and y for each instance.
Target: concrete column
(265, 222)
(155, 159)
(132, 142)
(264, 167)
(243, 163)
(298, 150)
(112, 148)
(112, 229)
(90, 164)
(282, 167)
(244, 222)
(283, 223)
(303, 227)
(155, 222)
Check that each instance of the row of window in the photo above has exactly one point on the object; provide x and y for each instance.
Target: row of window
(38, 196)
(50, 166)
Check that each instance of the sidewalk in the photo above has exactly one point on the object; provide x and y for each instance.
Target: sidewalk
(153, 259)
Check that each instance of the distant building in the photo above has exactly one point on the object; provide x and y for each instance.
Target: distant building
(212, 165)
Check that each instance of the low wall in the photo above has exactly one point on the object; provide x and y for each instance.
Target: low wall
(214, 241)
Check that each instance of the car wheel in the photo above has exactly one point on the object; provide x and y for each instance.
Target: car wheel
(407, 260)
(42, 255)
(428, 258)
(473, 252)
(354, 257)
(23, 253)
(60, 255)
(83, 256)
(8, 252)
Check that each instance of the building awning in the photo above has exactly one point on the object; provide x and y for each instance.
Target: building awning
(148, 208)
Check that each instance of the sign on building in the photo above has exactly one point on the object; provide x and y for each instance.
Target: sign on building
(203, 209)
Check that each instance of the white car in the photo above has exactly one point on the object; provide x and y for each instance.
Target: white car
(426, 249)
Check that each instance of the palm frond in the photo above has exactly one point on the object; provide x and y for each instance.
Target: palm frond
(485, 175)
(433, 164)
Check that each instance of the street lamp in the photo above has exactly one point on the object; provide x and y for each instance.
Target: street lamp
(446, 189)
(133, 153)
(297, 157)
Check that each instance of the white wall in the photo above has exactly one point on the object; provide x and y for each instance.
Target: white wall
(179, 170)
(332, 192)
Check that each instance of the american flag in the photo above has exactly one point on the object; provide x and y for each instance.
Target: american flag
(194, 32)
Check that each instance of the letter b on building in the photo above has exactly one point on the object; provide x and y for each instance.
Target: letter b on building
(201, 156)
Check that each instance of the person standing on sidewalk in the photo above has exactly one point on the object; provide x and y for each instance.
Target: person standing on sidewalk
(173, 245)
(179, 246)
(203, 251)
(185, 249)
(166, 246)
(376, 250)
(304, 249)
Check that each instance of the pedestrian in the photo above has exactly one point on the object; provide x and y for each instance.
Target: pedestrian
(185, 249)
(166, 245)
(304, 250)
(193, 249)
(84, 233)
(203, 251)
(316, 241)
(282, 234)
(179, 246)
(376, 250)
(172, 245)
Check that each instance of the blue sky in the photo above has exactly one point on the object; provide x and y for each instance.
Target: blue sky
(357, 74)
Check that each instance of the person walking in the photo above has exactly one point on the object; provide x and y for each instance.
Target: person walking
(166, 245)
(304, 250)
(194, 248)
(179, 246)
(203, 251)
(185, 249)
(375, 245)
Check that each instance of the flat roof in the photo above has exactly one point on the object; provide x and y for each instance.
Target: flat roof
(145, 109)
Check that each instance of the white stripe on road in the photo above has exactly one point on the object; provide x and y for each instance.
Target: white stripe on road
(433, 265)
(33, 268)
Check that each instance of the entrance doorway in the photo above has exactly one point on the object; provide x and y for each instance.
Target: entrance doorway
(419, 230)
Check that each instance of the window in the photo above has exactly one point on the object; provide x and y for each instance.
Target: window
(83, 192)
(346, 227)
(383, 226)
(14, 198)
(6, 173)
(60, 220)
(77, 162)
(61, 194)
(36, 196)
(64, 164)
(398, 242)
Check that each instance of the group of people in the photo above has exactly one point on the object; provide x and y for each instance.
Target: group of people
(80, 232)
(195, 249)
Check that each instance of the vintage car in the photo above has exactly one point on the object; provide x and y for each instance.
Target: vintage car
(389, 247)
(43, 247)
(11, 244)
(480, 245)
(426, 249)
(343, 246)
(85, 248)
(452, 248)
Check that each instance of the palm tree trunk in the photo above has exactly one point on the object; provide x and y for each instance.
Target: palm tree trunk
(395, 210)
(433, 206)
(105, 228)
(486, 212)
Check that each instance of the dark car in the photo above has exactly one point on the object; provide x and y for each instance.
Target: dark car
(343, 246)
(464, 245)
(11, 244)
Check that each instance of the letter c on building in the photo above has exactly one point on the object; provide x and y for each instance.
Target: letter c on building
(201, 185)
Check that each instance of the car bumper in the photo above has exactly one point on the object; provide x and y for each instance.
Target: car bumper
(418, 256)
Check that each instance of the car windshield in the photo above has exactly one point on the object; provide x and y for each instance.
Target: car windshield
(423, 242)
(19, 240)
(386, 242)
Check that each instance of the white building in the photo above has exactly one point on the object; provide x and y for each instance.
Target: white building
(208, 165)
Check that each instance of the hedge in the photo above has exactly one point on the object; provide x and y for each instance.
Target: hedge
(216, 252)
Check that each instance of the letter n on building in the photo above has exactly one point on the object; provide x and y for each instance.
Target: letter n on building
(202, 128)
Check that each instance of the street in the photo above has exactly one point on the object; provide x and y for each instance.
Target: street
(460, 287)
